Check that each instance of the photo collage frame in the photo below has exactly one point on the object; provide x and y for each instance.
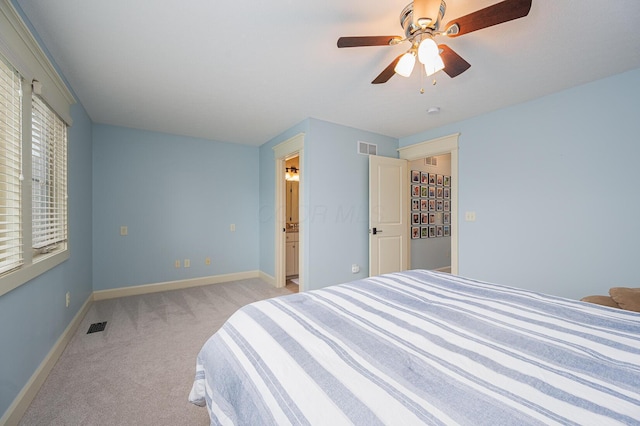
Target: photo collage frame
(430, 205)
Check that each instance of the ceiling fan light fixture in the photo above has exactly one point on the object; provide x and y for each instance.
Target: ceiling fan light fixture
(434, 66)
(427, 50)
(405, 65)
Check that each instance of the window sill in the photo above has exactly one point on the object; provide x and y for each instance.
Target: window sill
(28, 272)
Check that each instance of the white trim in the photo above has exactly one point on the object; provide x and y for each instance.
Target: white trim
(22, 401)
(282, 151)
(22, 49)
(443, 145)
(172, 285)
(268, 278)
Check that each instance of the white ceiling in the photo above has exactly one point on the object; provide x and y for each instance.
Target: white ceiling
(244, 72)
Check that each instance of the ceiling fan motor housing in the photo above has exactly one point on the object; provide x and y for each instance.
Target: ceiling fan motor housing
(426, 15)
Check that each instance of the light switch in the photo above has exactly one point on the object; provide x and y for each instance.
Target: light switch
(124, 230)
(470, 216)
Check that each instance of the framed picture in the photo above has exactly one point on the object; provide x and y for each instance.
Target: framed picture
(415, 190)
(439, 231)
(432, 218)
(432, 191)
(432, 232)
(415, 218)
(446, 181)
(424, 205)
(415, 204)
(424, 218)
(424, 178)
(439, 180)
(415, 176)
(446, 206)
(424, 191)
(432, 178)
(424, 232)
(446, 193)
(439, 205)
(415, 232)
(439, 192)
(446, 230)
(446, 218)
(432, 205)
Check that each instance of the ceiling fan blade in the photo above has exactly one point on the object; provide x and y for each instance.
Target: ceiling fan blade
(387, 73)
(504, 11)
(367, 41)
(454, 65)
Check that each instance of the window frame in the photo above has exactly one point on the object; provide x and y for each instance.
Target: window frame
(22, 51)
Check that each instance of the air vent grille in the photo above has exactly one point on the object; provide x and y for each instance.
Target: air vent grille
(431, 161)
(96, 327)
(366, 148)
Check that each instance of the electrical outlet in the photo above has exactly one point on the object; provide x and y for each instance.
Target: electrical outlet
(177, 263)
(67, 299)
(355, 268)
(207, 261)
(187, 263)
(124, 230)
(232, 227)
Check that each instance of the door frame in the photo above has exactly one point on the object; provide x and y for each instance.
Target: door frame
(430, 148)
(290, 148)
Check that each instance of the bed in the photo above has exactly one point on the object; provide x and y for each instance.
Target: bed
(422, 347)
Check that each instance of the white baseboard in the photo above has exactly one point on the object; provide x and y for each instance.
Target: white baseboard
(22, 401)
(173, 285)
(268, 278)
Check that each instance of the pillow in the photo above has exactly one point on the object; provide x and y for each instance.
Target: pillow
(601, 300)
(627, 298)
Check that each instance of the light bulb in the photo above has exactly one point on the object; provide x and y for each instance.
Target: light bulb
(405, 64)
(428, 49)
(434, 66)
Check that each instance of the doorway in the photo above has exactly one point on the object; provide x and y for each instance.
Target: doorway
(284, 151)
(292, 222)
(431, 213)
(435, 147)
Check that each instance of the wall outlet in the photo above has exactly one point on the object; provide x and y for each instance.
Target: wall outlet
(187, 263)
(124, 230)
(207, 261)
(67, 299)
(177, 263)
(232, 227)
(355, 268)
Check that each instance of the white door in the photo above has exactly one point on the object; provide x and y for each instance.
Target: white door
(388, 215)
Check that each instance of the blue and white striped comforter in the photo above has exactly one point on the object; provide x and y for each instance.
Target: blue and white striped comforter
(422, 348)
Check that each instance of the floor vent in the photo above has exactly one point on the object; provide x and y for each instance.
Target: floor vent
(98, 326)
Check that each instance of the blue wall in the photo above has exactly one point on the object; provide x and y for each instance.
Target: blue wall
(178, 197)
(553, 183)
(33, 316)
(336, 197)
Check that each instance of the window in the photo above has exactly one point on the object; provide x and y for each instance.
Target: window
(35, 112)
(48, 179)
(10, 168)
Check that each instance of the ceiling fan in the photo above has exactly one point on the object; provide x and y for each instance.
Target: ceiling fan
(421, 21)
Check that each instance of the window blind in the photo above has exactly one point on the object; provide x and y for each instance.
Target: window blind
(10, 168)
(49, 178)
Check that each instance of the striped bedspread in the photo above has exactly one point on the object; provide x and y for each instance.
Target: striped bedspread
(422, 347)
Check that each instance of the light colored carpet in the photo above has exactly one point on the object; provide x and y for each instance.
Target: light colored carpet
(139, 371)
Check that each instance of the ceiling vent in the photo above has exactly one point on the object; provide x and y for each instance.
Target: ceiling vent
(431, 161)
(366, 148)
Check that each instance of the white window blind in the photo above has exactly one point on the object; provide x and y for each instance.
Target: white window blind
(49, 179)
(11, 256)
